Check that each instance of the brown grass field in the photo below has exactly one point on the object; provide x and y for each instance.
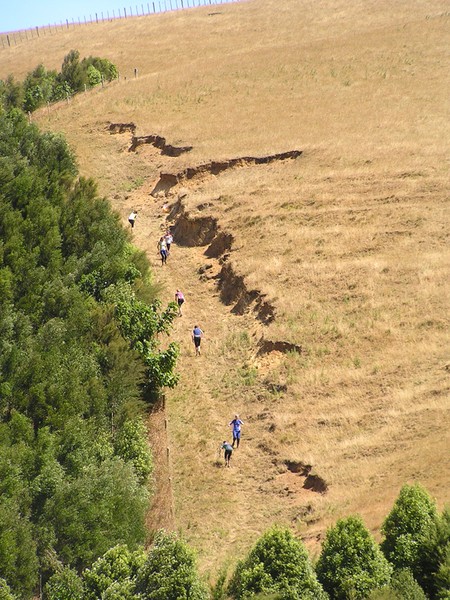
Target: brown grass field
(347, 246)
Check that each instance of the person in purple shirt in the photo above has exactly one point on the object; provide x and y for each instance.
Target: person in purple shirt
(197, 335)
(236, 424)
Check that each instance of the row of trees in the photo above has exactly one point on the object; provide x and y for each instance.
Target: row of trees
(351, 566)
(41, 86)
(80, 358)
(412, 562)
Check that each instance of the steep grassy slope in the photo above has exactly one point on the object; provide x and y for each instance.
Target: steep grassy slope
(346, 245)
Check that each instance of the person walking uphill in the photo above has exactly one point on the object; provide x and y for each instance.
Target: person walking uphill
(236, 424)
(162, 247)
(132, 218)
(179, 299)
(228, 452)
(197, 335)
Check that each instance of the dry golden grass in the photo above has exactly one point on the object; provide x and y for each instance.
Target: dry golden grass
(349, 242)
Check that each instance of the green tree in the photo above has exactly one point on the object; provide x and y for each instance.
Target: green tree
(5, 591)
(410, 521)
(38, 87)
(72, 71)
(278, 564)
(64, 585)
(104, 506)
(131, 445)
(351, 562)
(94, 76)
(402, 586)
(434, 560)
(170, 572)
(11, 93)
(442, 578)
(141, 323)
(113, 572)
(18, 559)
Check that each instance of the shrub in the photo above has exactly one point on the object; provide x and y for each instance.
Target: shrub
(115, 570)
(64, 585)
(434, 560)
(410, 521)
(351, 563)
(277, 564)
(402, 586)
(5, 592)
(131, 445)
(170, 572)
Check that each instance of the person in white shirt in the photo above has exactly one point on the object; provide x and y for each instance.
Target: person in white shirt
(132, 218)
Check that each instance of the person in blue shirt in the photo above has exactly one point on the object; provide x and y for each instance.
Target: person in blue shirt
(228, 452)
(236, 424)
(197, 335)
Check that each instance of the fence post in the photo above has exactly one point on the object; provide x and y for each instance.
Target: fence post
(154, 10)
(96, 18)
(125, 12)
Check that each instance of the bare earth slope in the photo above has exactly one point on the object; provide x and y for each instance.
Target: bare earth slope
(321, 281)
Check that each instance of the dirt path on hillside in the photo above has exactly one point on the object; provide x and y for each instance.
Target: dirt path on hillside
(213, 506)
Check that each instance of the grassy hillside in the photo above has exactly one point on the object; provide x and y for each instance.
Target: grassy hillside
(347, 388)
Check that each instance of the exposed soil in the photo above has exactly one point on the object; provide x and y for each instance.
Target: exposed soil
(121, 128)
(234, 291)
(158, 142)
(153, 139)
(167, 181)
(267, 346)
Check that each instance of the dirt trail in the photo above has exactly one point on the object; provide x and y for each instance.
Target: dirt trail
(222, 497)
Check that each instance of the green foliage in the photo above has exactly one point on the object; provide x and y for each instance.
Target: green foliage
(141, 323)
(5, 591)
(113, 573)
(402, 586)
(72, 484)
(351, 563)
(94, 76)
(170, 572)
(72, 72)
(104, 506)
(64, 585)
(38, 88)
(131, 445)
(277, 564)
(41, 86)
(442, 577)
(433, 568)
(18, 560)
(410, 521)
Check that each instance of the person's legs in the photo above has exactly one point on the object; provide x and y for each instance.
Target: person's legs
(238, 438)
